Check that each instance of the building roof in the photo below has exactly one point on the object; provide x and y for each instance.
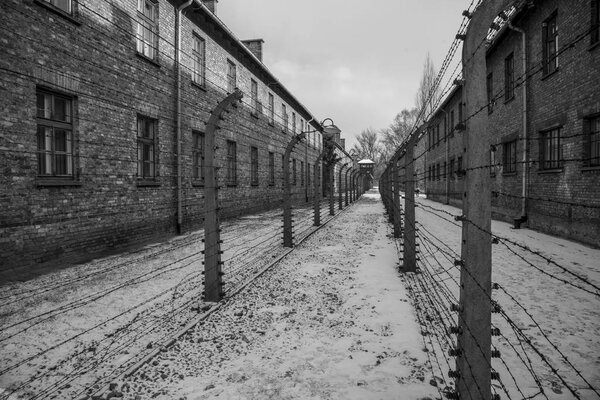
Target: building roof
(274, 85)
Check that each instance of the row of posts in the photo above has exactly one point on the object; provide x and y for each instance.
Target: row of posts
(350, 187)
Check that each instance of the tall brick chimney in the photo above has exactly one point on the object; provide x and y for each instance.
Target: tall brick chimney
(255, 46)
(211, 5)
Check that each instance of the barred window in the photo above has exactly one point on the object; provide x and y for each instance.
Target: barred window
(231, 163)
(254, 166)
(199, 56)
(63, 5)
(592, 141)
(509, 77)
(550, 45)
(271, 169)
(198, 156)
(146, 145)
(509, 157)
(147, 29)
(231, 76)
(550, 149)
(54, 134)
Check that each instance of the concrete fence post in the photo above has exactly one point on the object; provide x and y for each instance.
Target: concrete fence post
(409, 247)
(396, 209)
(213, 274)
(340, 189)
(317, 196)
(288, 240)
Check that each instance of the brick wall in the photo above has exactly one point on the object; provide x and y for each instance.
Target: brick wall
(91, 58)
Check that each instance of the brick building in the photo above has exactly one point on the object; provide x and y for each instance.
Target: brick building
(543, 85)
(102, 118)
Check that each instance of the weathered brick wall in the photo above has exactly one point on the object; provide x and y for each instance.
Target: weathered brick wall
(94, 60)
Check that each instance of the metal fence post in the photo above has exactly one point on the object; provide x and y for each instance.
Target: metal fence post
(213, 279)
(287, 193)
(409, 250)
(317, 196)
(474, 343)
(340, 190)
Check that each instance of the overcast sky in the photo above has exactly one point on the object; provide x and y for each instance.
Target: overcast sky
(358, 62)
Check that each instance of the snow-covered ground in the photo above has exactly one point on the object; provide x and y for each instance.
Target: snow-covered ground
(548, 294)
(333, 320)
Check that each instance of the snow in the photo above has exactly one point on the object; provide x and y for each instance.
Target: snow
(333, 320)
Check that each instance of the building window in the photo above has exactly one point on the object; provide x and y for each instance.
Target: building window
(451, 170)
(271, 109)
(439, 175)
(301, 173)
(294, 172)
(199, 56)
(509, 157)
(509, 77)
(437, 134)
(550, 151)
(550, 45)
(444, 171)
(198, 156)
(452, 123)
(308, 180)
(231, 163)
(595, 28)
(254, 94)
(284, 117)
(271, 169)
(147, 29)
(254, 166)
(592, 141)
(146, 145)
(54, 134)
(231, 77)
(63, 5)
(460, 113)
(294, 123)
(490, 92)
(459, 167)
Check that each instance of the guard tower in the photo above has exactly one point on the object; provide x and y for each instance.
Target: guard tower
(366, 168)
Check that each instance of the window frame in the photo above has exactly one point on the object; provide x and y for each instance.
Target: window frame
(509, 157)
(591, 141)
(489, 80)
(231, 162)
(548, 139)
(284, 118)
(198, 157)
(52, 122)
(550, 45)
(271, 168)
(153, 142)
(253, 166)
(294, 172)
(271, 109)
(254, 96)
(231, 76)
(199, 60)
(509, 77)
(149, 24)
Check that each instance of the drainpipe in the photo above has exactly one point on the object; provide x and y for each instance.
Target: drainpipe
(523, 217)
(178, 111)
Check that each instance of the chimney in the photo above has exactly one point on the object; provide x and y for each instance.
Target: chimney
(255, 46)
(211, 5)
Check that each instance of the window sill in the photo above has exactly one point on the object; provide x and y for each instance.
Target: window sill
(511, 173)
(199, 86)
(148, 60)
(54, 182)
(594, 46)
(551, 171)
(549, 74)
(147, 183)
(591, 169)
(67, 16)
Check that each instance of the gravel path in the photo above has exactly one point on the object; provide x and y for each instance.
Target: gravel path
(332, 321)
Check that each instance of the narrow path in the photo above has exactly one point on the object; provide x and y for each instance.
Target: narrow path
(332, 321)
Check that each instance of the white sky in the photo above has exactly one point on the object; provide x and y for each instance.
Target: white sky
(357, 62)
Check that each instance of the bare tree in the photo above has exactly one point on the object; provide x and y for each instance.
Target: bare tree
(368, 145)
(428, 93)
(397, 132)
